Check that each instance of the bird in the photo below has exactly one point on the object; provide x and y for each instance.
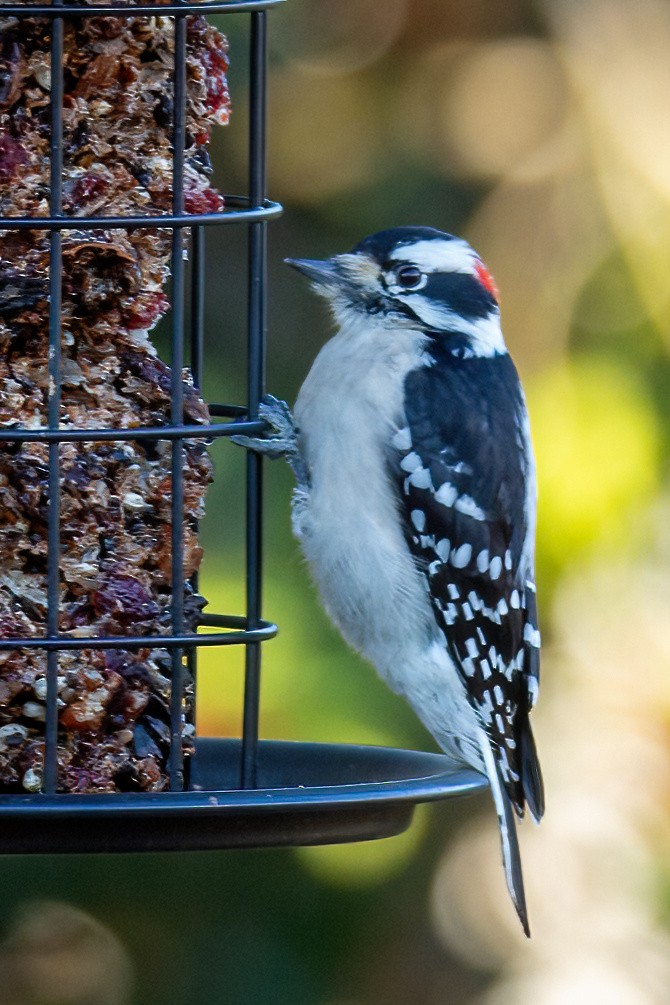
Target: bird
(415, 500)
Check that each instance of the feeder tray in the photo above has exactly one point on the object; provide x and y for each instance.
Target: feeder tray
(308, 793)
(229, 793)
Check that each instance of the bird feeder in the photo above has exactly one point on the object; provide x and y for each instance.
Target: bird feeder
(106, 111)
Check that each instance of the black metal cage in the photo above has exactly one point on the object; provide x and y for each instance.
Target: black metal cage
(236, 792)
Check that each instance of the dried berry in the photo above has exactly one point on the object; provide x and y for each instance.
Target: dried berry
(121, 601)
(12, 157)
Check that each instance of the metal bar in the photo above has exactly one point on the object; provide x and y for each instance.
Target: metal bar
(227, 410)
(63, 643)
(141, 433)
(197, 356)
(197, 304)
(257, 266)
(167, 10)
(176, 760)
(50, 770)
(241, 212)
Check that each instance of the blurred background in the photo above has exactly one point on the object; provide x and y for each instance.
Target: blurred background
(539, 130)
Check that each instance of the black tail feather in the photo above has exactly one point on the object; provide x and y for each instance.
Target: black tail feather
(531, 775)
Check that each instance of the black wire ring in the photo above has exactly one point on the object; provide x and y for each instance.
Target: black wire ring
(168, 10)
(268, 210)
(239, 634)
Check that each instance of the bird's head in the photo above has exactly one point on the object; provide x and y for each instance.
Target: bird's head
(414, 277)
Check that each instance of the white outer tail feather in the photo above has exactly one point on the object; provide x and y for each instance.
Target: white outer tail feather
(508, 836)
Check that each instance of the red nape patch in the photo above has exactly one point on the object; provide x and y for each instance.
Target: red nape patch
(486, 279)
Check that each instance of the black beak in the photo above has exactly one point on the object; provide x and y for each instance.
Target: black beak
(323, 273)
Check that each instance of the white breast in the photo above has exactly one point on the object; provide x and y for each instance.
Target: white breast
(348, 410)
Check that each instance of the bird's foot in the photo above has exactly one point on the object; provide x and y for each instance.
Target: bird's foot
(281, 437)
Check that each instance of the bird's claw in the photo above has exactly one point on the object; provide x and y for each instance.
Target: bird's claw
(277, 415)
(280, 440)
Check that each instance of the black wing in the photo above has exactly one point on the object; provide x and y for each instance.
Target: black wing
(464, 469)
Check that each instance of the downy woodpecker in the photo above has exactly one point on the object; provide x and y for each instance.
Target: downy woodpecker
(415, 500)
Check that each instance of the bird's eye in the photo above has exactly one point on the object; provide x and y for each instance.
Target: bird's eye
(410, 277)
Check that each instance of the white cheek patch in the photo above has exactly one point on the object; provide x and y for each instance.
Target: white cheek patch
(484, 334)
(435, 315)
